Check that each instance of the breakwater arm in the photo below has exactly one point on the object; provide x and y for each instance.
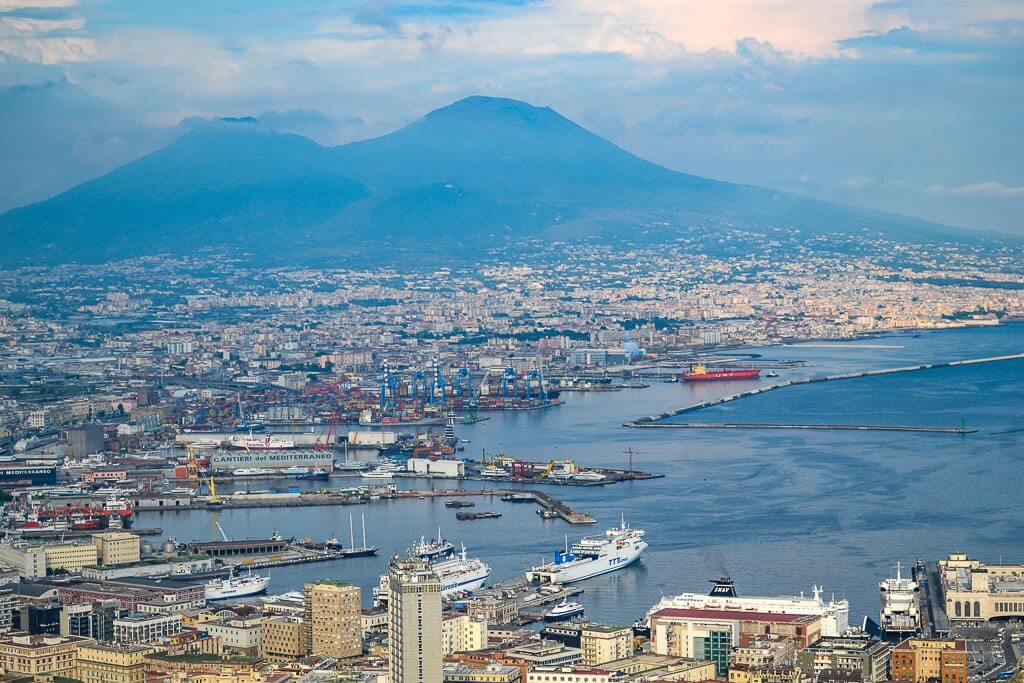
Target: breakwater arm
(650, 420)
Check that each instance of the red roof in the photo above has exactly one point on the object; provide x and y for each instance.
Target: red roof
(734, 615)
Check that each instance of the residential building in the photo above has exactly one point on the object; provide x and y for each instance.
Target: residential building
(546, 653)
(333, 621)
(455, 672)
(98, 663)
(92, 620)
(462, 633)
(712, 633)
(238, 636)
(283, 638)
(39, 656)
(145, 628)
(917, 660)
(414, 616)
(765, 649)
(662, 668)
(765, 673)
(567, 674)
(854, 657)
(602, 644)
(116, 547)
(8, 604)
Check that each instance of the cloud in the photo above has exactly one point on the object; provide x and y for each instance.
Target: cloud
(42, 31)
(857, 182)
(988, 188)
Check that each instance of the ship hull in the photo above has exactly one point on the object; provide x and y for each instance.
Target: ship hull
(721, 375)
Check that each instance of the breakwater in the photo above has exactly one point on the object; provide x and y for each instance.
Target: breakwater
(650, 419)
(770, 425)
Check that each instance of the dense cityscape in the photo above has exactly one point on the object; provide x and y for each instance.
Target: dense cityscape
(135, 387)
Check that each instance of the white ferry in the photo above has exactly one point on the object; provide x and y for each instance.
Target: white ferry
(377, 473)
(295, 470)
(900, 613)
(460, 574)
(592, 556)
(564, 610)
(251, 472)
(236, 586)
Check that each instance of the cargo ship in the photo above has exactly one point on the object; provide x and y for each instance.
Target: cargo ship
(701, 374)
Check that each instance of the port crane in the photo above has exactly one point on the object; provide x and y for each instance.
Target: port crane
(388, 388)
(193, 473)
(437, 384)
(463, 383)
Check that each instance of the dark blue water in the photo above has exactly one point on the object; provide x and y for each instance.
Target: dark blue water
(777, 510)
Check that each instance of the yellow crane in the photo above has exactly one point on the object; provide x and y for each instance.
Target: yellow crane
(195, 475)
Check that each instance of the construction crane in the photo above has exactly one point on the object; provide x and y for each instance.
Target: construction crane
(630, 452)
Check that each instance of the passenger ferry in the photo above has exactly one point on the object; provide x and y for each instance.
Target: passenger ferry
(592, 556)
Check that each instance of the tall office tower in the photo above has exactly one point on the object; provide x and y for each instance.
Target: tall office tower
(333, 623)
(414, 622)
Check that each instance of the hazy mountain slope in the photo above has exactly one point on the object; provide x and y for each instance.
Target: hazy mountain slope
(478, 170)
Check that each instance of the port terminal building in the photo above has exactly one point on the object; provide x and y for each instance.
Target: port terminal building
(976, 593)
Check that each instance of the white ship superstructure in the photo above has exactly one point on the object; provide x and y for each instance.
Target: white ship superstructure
(592, 556)
(900, 614)
(263, 442)
(461, 574)
(236, 586)
(835, 613)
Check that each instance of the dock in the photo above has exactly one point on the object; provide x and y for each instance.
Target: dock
(564, 512)
(769, 425)
(650, 419)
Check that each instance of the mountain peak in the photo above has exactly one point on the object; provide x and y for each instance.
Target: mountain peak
(480, 109)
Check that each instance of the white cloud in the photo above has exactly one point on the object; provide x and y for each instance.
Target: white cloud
(857, 182)
(989, 188)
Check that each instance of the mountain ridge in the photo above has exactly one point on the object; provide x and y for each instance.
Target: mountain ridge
(476, 170)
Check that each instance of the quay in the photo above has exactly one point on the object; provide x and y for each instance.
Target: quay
(647, 421)
(529, 597)
(31, 534)
(769, 425)
(563, 511)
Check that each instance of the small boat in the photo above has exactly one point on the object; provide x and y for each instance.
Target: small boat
(315, 474)
(377, 473)
(545, 513)
(463, 516)
(460, 504)
(564, 610)
(771, 373)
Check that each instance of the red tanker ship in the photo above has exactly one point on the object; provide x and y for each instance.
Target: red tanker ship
(702, 374)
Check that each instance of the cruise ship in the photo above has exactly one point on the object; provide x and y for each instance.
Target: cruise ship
(592, 556)
(236, 586)
(900, 614)
(835, 613)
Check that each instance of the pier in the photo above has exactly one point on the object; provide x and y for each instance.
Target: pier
(651, 419)
(769, 425)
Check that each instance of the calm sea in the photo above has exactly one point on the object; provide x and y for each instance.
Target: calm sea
(776, 510)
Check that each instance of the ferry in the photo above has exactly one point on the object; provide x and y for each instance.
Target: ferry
(295, 470)
(251, 472)
(492, 471)
(900, 614)
(564, 610)
(267, 442)
(377, 473)
(588, 475)
(236, 586)
(460, 574)
(592, 556)
(433, 549)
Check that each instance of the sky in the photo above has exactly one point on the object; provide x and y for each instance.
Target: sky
(914, 106)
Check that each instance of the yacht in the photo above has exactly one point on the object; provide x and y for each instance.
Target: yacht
(564, 610)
